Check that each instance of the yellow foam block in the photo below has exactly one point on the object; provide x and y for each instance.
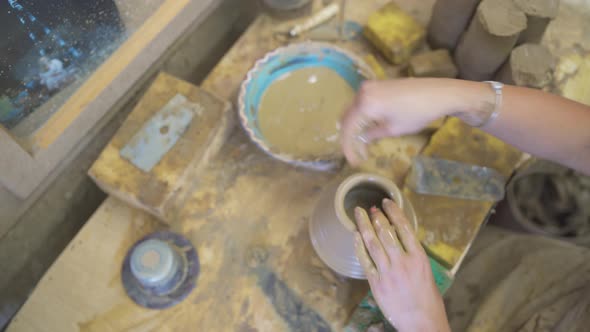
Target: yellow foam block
(395, 33)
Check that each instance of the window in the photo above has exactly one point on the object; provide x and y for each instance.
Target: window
(64, 64)
(50, 48)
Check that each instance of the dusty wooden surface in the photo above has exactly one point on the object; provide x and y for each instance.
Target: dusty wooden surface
(247, 218)
(245, 249)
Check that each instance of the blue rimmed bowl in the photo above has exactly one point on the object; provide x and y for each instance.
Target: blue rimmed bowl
(282, 61)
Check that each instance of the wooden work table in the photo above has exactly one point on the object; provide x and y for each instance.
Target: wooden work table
(248, 218)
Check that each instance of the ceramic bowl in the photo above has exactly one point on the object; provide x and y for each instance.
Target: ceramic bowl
(281, 61)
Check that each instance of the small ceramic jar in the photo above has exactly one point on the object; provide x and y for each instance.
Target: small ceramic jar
(332, 224)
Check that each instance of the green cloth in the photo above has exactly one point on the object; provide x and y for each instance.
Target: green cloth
(368, 312)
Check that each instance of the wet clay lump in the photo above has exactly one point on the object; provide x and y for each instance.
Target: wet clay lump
(299, 112)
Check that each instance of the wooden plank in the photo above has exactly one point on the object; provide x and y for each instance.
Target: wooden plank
(89, 261)
(248, 220)
(229, 285)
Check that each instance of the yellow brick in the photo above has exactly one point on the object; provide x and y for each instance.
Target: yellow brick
(573, 76)
(395, 33)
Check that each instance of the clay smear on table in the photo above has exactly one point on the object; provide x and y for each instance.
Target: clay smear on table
(300, 111)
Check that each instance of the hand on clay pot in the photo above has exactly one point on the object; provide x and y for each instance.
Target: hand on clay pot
(398, 270)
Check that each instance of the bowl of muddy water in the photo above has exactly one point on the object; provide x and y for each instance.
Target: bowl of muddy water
(332, 225)
(291, 102)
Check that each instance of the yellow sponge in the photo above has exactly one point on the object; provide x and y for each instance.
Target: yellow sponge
(395, 33)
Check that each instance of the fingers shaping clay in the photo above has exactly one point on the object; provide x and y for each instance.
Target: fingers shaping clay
(332, 225)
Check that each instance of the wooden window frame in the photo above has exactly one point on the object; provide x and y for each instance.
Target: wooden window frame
(26, 162)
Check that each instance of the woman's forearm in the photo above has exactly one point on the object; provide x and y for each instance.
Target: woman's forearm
(542, 124)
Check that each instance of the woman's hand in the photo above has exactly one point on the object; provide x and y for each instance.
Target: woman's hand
(398, 270)
(405, 106)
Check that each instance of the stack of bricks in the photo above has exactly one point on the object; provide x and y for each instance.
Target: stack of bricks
(496, 39)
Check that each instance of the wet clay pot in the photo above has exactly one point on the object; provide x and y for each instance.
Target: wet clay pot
(332, 225)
